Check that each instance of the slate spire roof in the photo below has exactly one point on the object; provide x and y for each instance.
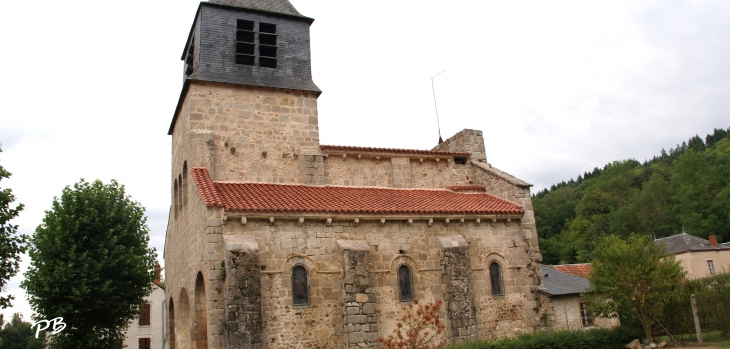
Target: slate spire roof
(276, 6)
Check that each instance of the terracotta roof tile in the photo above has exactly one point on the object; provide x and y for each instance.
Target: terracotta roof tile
(467, 188)
(391, 150)
(205, 187)
(581, 270)
(267, 197)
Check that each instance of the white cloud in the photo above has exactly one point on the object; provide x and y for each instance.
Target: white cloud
(558, 88)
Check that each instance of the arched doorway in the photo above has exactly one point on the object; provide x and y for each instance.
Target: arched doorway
(201, 314)
(182, 325)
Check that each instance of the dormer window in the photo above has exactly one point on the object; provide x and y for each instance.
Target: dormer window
(246, 44)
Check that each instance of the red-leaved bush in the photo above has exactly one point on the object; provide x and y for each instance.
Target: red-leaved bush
(419, 328)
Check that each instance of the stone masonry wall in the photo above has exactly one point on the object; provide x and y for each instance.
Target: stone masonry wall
(243, 133)
(361, 325)
(563, 312)
(459, 298)
(243, 294)
(395, 172)
(401, 173)
(284, 244)
(193, 244)
(466, 140)
(505, 186)
(363, 172)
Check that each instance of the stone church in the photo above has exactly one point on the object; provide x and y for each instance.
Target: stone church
(277, 241)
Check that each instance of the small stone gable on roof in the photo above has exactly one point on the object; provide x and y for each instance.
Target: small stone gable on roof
(276, 6)
(558, 283)
(684, 242)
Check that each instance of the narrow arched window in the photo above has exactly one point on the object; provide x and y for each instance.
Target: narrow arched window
(185, 184)
(180, 195)
(405, 286)
(176, 192)
(300, 285)
(495, 274)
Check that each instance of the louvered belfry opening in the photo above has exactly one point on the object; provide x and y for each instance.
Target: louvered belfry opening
(267, 45)
(246, 43)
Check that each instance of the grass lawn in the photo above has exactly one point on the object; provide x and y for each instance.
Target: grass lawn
(711, 339)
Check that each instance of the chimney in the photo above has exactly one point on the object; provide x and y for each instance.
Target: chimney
(713, 240)
(158, 272)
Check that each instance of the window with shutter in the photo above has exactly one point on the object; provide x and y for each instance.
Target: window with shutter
(144, 315)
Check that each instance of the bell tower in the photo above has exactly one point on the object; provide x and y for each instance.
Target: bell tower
(250, 42)
(248, 106)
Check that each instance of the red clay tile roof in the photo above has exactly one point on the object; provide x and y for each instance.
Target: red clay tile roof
(467, 188)
(266, 197)
(391, 150)
(581, 270)
(205, 187)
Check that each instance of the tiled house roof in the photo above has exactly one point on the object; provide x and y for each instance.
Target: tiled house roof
(684, 242)
(580, 270)
(558, 283)
(267, 198)
(343, 148)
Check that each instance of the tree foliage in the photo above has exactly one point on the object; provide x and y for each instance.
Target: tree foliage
(687, 189)
(18, 334)
(712, 294)
(90, 265)
(419, 328)
(632, 276)
(12, 245)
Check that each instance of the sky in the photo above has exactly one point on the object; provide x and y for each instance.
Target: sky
(558, 88)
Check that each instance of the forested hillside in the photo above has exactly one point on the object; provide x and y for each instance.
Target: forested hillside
(687, 188)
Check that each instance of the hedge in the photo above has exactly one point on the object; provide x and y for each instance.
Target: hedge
(615, 338)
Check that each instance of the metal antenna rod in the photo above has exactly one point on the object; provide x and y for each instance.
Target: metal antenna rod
(435, 106)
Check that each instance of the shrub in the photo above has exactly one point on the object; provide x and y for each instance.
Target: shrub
(615, 338)
(419, 328)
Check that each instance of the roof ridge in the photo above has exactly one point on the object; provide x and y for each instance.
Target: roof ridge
(274, 6)
(571, 264)
(393, 150)
(349, 186)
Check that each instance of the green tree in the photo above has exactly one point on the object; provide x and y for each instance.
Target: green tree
(632, 276)
(90, 265)
(18, 334)
(11, 244)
